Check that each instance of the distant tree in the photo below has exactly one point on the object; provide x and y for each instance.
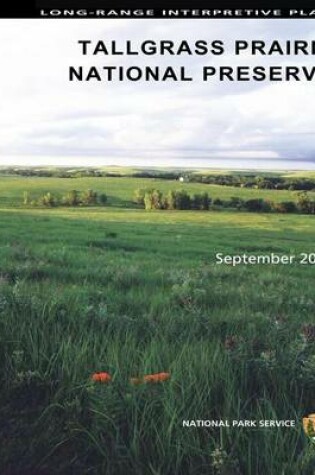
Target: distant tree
(48, 200)
(72, 198)
(304, 203)
(170, 200)
(284, 207)
(89, 197)
(196, 201)
(153, 199)
(218, 202)
(182, 200)
(236, 202)
(26, 198)
(102, 199)
(257, 205)
(138, 196)
(205, 201)
(200, 201)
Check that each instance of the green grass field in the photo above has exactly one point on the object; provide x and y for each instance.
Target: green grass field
(131, 293)
(120, 191)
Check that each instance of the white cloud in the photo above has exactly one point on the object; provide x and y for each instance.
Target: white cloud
(46, 119)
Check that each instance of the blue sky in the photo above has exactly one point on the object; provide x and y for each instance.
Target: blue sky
(45, 119)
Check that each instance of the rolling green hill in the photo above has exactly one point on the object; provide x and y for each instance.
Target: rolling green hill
(120, 191)
(128, 292)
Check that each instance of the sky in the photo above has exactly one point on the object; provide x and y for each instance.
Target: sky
(47, 120)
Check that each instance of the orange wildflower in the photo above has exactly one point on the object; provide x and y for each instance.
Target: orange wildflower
(156, 378)
(101, 377)
(309, 425)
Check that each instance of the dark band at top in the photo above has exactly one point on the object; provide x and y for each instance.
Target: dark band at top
(171, 9)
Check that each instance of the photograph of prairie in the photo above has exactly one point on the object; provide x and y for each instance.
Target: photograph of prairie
(127, 346)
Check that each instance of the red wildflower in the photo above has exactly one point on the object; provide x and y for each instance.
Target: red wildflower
(101, 377)
(156, 378)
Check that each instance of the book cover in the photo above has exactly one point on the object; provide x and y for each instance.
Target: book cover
(157, 201)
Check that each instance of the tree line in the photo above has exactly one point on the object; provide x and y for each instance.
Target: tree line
(256, 182)
(182, 200)
(249, 180)
(71, 198)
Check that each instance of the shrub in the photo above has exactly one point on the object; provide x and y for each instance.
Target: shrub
(170, 200)
(285, 207)
(26, 198)
(218, 202)
(200, 201)
(236, 202)
(48, 200)
(153, 199)
(182, 200)
(305, 205)
(89, 197)
(72, 198)
(257, 204)
(102, 199)
(138, 196)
